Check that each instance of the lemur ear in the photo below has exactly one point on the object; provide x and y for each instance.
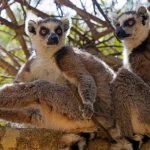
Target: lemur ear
(66, 23)
(143, 14)
(32, 26)
(31, 23)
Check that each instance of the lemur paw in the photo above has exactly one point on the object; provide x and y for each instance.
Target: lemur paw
(87, 110)
(35, 116)
(72, 141)
(121, 144)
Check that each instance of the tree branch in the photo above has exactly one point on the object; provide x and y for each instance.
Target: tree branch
(35, 10)
(102, 12)
(19, 35)
(10, 56)
(8, 67)
(39, 139)
(82, 13)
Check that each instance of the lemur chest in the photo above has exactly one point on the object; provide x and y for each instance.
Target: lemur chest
(46, 69)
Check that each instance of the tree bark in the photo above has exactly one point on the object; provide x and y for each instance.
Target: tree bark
(42, 139)
(38, 139)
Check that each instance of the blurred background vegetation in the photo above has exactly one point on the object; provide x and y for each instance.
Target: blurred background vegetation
(90, 30)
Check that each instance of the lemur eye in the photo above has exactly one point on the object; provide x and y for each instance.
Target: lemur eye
(118, 25)
(44, 31)
(129, 22)
(58, 31)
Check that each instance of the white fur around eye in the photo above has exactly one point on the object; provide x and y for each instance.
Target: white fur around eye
(31, 20)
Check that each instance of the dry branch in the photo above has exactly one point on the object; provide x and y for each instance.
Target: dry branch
(13, 20)
(39, 139)
(8, 67)
(35, 10)
(10, 56)
(82, 13)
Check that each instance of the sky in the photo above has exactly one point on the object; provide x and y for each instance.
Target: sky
(88, 4)
(48, 6)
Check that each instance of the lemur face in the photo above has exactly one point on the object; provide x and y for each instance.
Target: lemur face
(48, 32)
(132, 24)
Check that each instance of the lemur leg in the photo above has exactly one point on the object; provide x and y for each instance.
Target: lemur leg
(131, 100)
(30, 116)
(18, 95)
(60, 98)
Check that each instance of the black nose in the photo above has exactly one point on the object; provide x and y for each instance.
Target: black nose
(120, 33)
(53, 39)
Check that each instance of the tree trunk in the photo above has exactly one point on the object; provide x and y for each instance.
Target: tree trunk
(42, 139)
(38, 139)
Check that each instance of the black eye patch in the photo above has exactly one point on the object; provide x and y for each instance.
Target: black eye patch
(117, 24)
(44, 31)
(58, 31)
(130, 22)
(144, 18)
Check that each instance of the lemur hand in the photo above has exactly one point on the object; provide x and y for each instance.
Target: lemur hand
(87, 110)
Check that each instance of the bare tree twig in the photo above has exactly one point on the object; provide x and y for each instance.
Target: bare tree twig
(7, 23)
(20, 37)
(8, 33)
(36, 11)
(24, 12)
(82, 13)
(82, 5)
(10, 56)
(2, 76)
(38, 2)
(58, 6)
(9, 12)
(106, 18)
(111, 37)
(101, 11)
(8, 67)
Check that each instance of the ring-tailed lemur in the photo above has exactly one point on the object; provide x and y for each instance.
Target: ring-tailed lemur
(56, 62)
(60, 64)
(130, 93)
